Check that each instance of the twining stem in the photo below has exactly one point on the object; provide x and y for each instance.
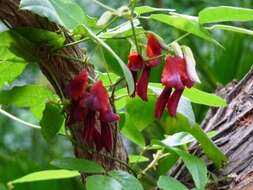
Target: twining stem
(76, 42)
(159, 155)
(114, 87)
(18, 119)
(132, 5)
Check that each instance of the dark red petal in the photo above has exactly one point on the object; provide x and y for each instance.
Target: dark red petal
(107, 137)
(77, 85)
(135, 75)
(161, 102)
(98, 140)
(101, 93)
(89, 127)
(153, 46)
(90, 102)
(135, 61)
(76, 113)
(153, 62)
(173, 102)
(171, 73)
(142, 84)
(109, 116)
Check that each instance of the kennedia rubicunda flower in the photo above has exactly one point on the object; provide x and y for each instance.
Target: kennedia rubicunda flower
(136, 63)
(91, 106)
(178, 73)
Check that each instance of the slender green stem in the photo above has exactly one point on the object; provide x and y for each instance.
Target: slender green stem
(132, 26)
(18, 119)
(180, 38)
(104, 6)
(76, 42)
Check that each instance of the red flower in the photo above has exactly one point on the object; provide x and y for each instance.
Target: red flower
(178, 73)
(153, 50)
(92, 106)
(78, 85)
(174, 73)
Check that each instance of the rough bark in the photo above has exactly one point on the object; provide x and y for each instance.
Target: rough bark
(62, 70)
(235, 126)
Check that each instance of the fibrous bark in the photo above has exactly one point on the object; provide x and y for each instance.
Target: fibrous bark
(59, 72)
(234, 124)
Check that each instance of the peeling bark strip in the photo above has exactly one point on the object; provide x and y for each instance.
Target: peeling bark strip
(62, 70)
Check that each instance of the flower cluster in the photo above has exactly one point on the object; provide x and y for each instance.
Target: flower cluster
(91, 106)
(178, 73)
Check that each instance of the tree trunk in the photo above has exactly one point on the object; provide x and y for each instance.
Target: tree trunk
(235, 138)
(59, 69)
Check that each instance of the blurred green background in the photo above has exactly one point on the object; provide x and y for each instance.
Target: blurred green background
(22, 150)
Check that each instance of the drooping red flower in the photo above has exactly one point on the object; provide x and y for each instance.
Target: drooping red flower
(178, 73)
(153, 50)
(91, 106)
(78, 85)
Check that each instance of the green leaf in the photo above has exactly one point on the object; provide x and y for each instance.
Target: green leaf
(10, 71)
(178, 139)
(52, 121)
(81, 165)
(107, 78)
(196, 167)
(57, 11)
(186, 23)
(231, 29)
(137, 159)
(101, 182)
(181, 124)
(170, 183)
(204, 98)
(127, 181)
(147, 9)
(126, 71)
(30, 96)
(141, 113)
(225, 13)
(39, 36)
(166, 163)
(131, 132)
(46, 175)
